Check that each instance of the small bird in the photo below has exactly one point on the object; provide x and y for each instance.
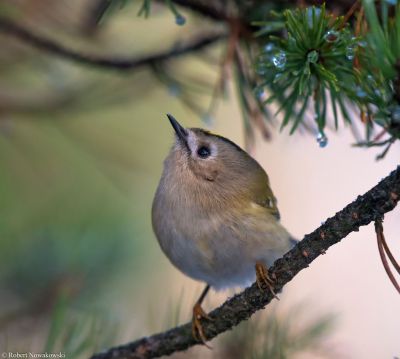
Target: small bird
(215, 216)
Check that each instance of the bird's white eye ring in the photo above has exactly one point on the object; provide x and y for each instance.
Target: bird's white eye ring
(203, 152)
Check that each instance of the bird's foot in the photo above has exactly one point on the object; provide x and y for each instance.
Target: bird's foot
(263, 279)
(197, 328)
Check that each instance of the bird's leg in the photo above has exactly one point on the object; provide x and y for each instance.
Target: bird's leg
(198, 314)
(263, 278)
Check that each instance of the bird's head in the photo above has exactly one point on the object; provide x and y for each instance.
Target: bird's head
(206, 156)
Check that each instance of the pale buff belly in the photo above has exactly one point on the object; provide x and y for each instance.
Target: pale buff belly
(222, 253)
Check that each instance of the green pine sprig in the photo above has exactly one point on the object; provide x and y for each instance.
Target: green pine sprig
(320, 60)
(313, 63)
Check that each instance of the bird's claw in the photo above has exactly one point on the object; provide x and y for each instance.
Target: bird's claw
(263, 279)
(197, 328)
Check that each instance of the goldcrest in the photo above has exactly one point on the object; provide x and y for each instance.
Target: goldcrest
(215, 215)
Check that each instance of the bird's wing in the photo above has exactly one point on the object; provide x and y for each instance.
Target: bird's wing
(264, 196)
(269, 201)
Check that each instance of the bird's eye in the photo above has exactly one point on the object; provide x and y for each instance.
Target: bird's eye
(203, 152)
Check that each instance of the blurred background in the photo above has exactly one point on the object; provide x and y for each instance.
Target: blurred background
(81, 152)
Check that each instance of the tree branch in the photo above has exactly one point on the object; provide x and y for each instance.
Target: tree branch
(367, 208)
(221, 10)
(25, 35)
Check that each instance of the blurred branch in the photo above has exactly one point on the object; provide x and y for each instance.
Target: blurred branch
(222, 10)
(365, 209)
(42, 43)
(216, 10)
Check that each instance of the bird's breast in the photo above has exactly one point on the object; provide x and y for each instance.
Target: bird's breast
(217, 243)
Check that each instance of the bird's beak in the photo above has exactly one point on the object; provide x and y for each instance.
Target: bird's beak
(180, 131)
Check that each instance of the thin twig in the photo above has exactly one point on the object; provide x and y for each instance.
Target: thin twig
(364, 210)
(10, 28)
(386, 150)
(379, 237)
(390, 254)
(350, 13)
